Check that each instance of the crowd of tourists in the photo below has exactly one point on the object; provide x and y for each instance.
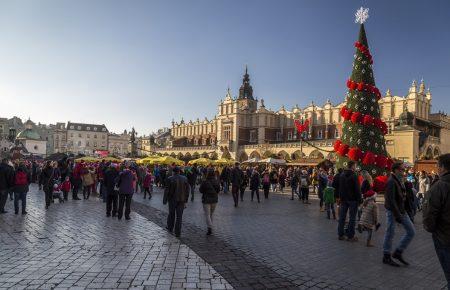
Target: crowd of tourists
(347, 195)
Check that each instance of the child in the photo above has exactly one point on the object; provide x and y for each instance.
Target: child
(328, 198)
(148, 179)
(66, 186)
(369, 217)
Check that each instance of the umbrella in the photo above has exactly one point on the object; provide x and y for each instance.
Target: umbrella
(253, 160)
(273, 161)
(167, 160)
(87, 159)
(201, 161)
(57, 157)
(112, 159)
(147, 160)
(224, 161)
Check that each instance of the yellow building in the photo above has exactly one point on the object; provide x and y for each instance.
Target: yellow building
(244, 128)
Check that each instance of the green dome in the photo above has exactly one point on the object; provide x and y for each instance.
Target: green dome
(28, 134)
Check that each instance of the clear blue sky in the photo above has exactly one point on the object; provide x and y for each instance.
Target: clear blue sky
(142, 63)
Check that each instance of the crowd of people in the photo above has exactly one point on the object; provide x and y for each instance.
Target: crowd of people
(347, 195)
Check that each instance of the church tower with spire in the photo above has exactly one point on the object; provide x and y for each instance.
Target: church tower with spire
(246, 102)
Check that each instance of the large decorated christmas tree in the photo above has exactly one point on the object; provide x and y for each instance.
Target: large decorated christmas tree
(363, 131)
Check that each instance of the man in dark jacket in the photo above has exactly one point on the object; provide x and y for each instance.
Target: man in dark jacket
(191, 175)
(394, 202)
(126, 190)
(176, 194)
(22, 178)
(350, 197)
(237, 177)
(436, 214)
(110, 180)
(6, 183)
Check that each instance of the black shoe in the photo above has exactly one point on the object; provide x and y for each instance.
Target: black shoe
(388, 261)
(108, 215)
(24, 213)
(127, 218)
(16, 212)
(398, 256)
(209, 232)
(3, 211)
(169, 230)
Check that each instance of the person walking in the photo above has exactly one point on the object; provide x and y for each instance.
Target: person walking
(76, 180)
(47, 180)
(350, 197)
(176, 194)
(6, 183)
(305, 182)
(369, 216)
(22, 179)
(209, 188)
(266, 183)
(424, 185)
(255, 182)
(396, 214)
(147, 183)
(294, 185)
(322, 179)
(237, 177)
(192, 174)
(329, 200)
(110, 178)
(126, 190)
(436, 214)
(335, 185)
(87, 181)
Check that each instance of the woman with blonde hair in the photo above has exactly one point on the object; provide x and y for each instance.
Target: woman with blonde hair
(366, 185)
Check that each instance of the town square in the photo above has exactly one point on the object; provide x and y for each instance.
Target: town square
(224, 145)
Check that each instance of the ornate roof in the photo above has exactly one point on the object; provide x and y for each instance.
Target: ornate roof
(28, 134)
(246, 90)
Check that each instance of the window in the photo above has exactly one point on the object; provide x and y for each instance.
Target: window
(278, 136)
(72, 127)
(95, 144)
(79, 143)
(253, 136)
(195, 142)
(289, 135)
(95, 128)
(319, 134)
(104, 129)
(227, 133)
(88, 135)
(95, 136)
(336, 133)
(71, 135)
(36, 147)
(79, 127)
(88, 128)
(87, 143)
(79, 135)
(103, 137)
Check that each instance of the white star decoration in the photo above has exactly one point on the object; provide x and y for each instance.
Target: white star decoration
(361, 15)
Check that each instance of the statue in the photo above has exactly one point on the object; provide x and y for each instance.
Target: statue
(133, 143)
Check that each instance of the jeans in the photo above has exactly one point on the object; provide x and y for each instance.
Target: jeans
(209, 208)
(124, 199)
(87, 191)
(330, 209)
(147, 190)
(257, 193)
(175, 217)
(192, 191)
(390, 231)
(235, 192)
(226, 187)
(443, 253)
(3, 199)
(20, 196)
(76, 187)
(242, 192)
(294, 191)
(305, 193)
(111, 203)
(352, 208)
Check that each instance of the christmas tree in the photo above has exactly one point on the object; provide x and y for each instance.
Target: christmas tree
(363, 131)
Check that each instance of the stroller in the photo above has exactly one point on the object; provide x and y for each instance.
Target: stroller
(57, 192)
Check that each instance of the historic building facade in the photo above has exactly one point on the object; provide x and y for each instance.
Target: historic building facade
(244, 128)
(86, 138)
(119, 144)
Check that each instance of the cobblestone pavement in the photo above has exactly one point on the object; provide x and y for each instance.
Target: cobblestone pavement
(295, 246)
(73, 245)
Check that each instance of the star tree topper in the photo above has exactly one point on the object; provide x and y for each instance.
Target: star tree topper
(361, 15)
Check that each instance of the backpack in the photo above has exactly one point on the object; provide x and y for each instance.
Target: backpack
(304, 181)
(21, 178)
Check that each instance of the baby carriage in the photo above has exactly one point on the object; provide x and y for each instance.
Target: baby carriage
(57, 192)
